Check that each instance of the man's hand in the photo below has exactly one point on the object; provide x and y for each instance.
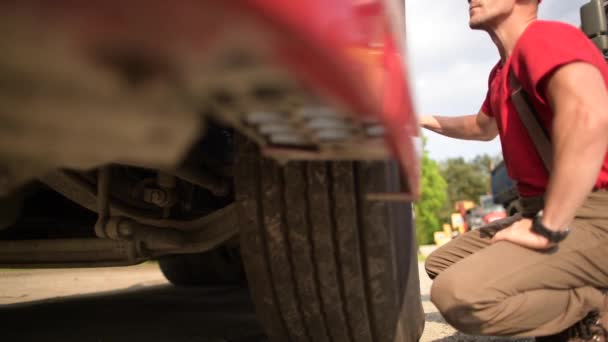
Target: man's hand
(520, 233)
(427, 121)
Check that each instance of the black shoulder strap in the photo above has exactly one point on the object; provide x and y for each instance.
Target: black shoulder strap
(530, 119)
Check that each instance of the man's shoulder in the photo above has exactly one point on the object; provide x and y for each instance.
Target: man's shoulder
(544, 37)
(552, 29)
(553, 24)
(548, 45)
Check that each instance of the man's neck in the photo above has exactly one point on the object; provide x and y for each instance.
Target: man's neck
(506, 34)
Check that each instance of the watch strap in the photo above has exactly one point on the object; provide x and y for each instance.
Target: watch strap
(551, 235)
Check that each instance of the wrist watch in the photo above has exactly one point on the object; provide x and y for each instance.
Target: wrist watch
(554, 236)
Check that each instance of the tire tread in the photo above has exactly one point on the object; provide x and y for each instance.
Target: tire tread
(328, 256)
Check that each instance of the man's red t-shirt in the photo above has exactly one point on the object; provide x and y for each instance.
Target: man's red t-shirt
(543, 48)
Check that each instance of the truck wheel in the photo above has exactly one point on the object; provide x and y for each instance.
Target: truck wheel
(323, 263)
(213, 268)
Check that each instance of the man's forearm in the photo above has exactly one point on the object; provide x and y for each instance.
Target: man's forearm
(459, 127)
(580, 150)
(580, 145)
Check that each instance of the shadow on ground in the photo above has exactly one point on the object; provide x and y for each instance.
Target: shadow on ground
(162, 313)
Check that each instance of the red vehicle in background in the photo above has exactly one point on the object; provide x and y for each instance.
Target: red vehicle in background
(197, 132)
(487, 212)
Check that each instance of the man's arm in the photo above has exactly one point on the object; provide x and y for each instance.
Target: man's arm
(578, 96)
(469, 127)
(577, 93)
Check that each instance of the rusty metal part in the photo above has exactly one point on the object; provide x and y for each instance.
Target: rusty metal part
(150, 238)
(128, 243)
(83, 193)
(103, 198)
(373, 149)
(220, 227)
(103, 192)
(164, 195)
(162, 198)
(168, 183)
(68, 251)
(218, 186)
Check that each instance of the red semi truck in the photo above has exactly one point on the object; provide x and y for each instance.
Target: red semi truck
(269, 138)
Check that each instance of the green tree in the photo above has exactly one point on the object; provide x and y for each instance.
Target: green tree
(432, 200)
(467, 180)
(485, 163)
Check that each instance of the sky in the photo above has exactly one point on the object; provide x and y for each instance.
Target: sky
(449, 65)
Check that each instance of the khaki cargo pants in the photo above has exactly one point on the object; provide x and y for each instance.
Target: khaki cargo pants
(506, 290)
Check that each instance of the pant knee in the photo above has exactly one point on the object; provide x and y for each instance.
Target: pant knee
(457, 303)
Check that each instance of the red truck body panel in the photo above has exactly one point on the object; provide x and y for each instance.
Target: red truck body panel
(350, 52)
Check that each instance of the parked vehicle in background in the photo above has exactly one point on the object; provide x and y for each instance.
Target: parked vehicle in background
(486, 212)
(491, 210)
(504, 190)
(269, 139)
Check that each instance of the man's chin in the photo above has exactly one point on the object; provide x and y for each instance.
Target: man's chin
(474, 25)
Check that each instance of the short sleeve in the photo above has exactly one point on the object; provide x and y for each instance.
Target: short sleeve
(485, 106)
(547, 46)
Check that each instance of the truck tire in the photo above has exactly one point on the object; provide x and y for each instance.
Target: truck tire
(323, 263)
(218, 267)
